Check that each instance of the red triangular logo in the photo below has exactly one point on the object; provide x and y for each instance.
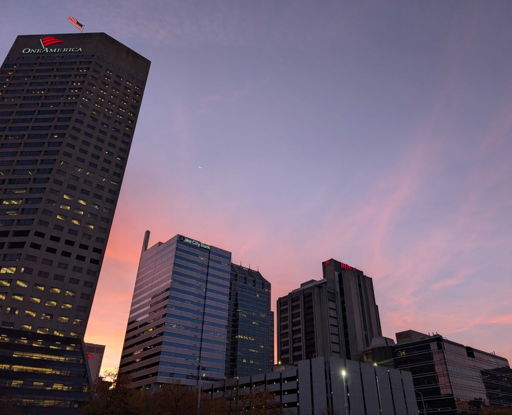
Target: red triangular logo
(50, 40)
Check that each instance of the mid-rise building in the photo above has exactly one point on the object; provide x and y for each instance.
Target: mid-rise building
(251, 327)
(324, 386)
(68, 108)
(448, 376)
(191, 318)
(334, 316)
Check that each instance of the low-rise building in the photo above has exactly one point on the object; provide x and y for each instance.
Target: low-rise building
(447, 375)
(324, 386)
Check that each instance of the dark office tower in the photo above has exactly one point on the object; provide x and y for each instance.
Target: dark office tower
(335, 316)
(178, 319)
(251, 326)
(68, 108)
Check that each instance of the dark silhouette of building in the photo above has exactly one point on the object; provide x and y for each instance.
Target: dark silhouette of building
(94, 354)
(335, 316)
(251, 327)
(68, 108)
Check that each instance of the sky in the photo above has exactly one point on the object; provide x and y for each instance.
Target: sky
(290, 132)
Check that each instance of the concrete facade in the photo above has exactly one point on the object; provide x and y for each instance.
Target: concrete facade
(328, 386)
(335, 316)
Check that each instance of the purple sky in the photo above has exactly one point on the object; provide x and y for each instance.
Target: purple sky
(289, 132)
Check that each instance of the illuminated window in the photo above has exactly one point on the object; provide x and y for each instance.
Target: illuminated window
(46, 316)
(17, 297)
(75, 222)
(55, 290)
(58, 333)
(5, 282)
(79, 212)
(77, 322)
(61, 387)
(39, 287)
(50, 303)
(60, 217)
(30, 313)
(90, 226)
(66, 306)
(12, 202)
(26, 327)
(42, 330)
(67, 197)
(63, 319)
(69, 293)
(35, 300)
(7, 270)
(16, 383)
(3, 296)
(82, 202)
(23, 284)
(65, 207)
(12, 310)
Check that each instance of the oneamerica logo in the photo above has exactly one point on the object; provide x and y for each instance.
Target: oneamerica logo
(47, 41)
(51, 50)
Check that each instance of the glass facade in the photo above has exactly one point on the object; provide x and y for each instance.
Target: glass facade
(67, 117)
(447, 375)
(251, 326)
(177, 327)
(196, 317)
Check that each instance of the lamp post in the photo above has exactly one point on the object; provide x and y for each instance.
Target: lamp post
(422, 403)
(345, 394)
(378, 392)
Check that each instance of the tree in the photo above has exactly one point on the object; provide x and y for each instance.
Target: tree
(492, 410)
(119, 398)
(258, 402)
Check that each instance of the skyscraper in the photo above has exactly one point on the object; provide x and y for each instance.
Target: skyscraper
(68, 108)
(251, 326)
(334, 316)
(178, 319)
(183, 327)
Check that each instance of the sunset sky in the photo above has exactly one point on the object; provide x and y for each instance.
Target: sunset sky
(378, 133)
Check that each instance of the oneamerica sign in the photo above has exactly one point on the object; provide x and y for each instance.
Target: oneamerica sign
(48, 41)
(51, 50)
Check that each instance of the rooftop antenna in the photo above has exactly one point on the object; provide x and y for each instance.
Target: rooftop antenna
(76, 23)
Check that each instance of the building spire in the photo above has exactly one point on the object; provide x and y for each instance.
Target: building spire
(145, 242)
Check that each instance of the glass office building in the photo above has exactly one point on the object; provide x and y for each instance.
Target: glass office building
(448, 376)
(177, 327)
(251, 326)
(196, 317)
(68, 109)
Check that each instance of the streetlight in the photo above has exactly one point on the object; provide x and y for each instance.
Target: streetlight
(345, 394)
(378, 390)
(422, 403)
